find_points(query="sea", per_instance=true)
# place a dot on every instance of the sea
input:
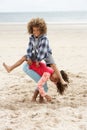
(49, 17)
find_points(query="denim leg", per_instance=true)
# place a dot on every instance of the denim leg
(33, 75)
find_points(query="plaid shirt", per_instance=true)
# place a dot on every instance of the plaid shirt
(39, 51)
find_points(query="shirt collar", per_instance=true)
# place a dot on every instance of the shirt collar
(41, 36)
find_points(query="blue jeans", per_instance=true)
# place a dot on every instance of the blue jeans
(33, 75)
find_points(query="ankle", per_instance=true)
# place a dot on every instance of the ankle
(33, 99)
(41, 99)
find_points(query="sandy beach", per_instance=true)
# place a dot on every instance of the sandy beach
(66, 112)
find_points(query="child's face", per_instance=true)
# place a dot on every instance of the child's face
(36, 31)
(54, 78)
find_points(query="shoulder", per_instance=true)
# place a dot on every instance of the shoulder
(31, 37)
(44, 37)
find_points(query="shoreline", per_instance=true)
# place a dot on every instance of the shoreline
(49, 23)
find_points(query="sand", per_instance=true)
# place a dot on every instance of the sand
(66, 112)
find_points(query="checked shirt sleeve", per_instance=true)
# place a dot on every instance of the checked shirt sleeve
(29, 50)
(43, 49)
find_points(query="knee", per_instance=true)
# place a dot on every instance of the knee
(53, 66)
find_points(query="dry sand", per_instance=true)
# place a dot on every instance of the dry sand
(67, 112)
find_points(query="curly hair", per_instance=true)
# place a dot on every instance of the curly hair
(61, 88)
(37, 22)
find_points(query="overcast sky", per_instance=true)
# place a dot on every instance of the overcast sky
(42, 5)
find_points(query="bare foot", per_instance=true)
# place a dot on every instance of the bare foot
(33, 100)
(8, 68)
(41, 99)
(48, 98)
(64, 83)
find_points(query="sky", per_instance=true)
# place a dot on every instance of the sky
(42, 5)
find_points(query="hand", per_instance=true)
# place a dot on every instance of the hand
(29, 62)
(48, 98)
(37, 64)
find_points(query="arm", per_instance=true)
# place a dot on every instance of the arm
(43, 49)
(41, 82)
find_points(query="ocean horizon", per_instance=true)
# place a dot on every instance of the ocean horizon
(49, 17)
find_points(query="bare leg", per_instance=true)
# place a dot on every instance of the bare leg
(41, 99)
(36, 93)
(59, 74)
(18, 63)
(35, 96)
